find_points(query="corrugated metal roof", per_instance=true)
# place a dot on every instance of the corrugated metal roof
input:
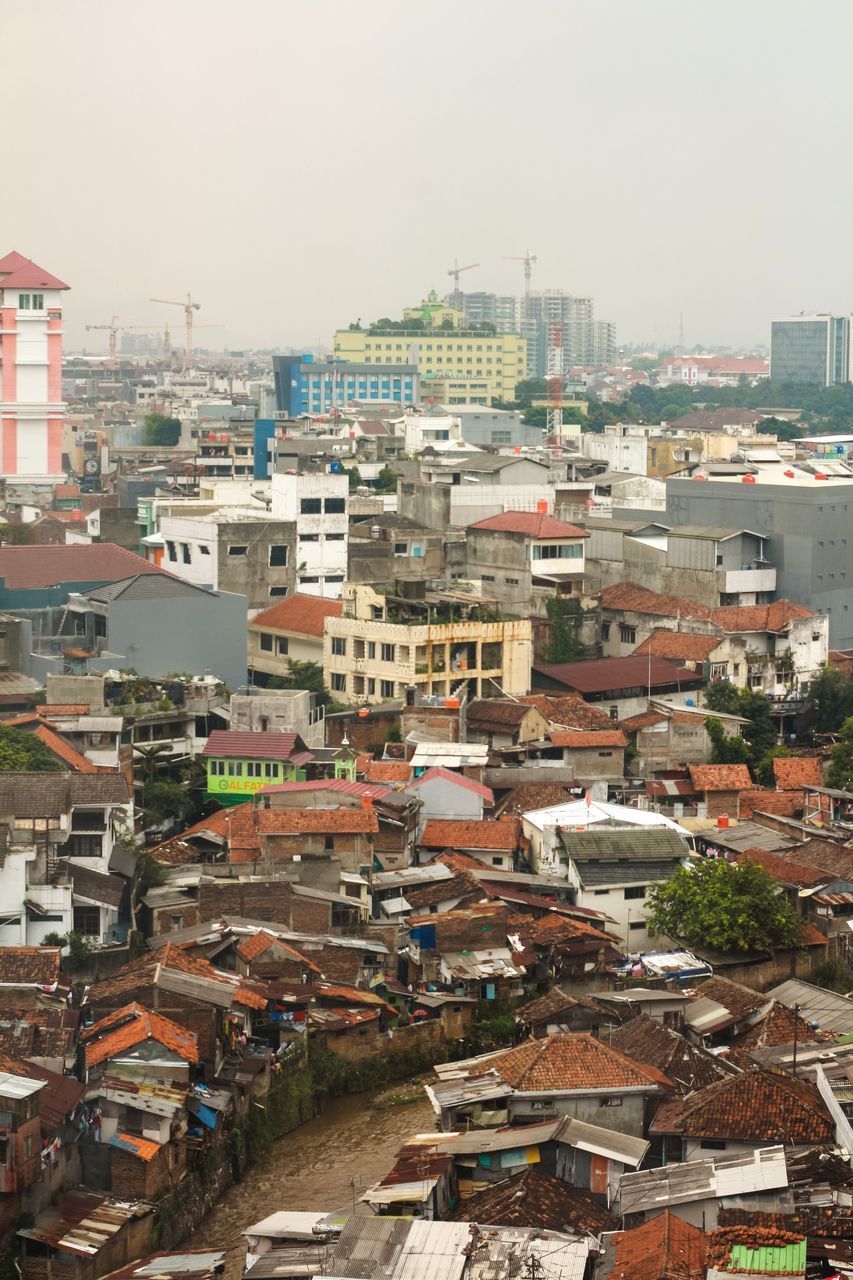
(785, 1260)
(737, 1174)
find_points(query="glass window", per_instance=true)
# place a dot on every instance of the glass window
(388, 653)
(278, 555)
(185, 552)
(281, 646)
(311, 506)
(24, 302)
(627, 635)
(338, 682)
(335, 506)
(238, 550)
(339, 646)
(386, 688)
(266, 642)
(38, 302)
(171, 551)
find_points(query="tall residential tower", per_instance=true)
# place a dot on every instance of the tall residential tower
(31, 407)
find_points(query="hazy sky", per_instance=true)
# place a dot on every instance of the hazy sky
(297, 165)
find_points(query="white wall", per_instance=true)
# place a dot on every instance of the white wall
(321, 546)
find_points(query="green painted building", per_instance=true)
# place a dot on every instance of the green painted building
(239, 764)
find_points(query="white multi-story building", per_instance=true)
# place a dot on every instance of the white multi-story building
(317, 502)
(31, 406)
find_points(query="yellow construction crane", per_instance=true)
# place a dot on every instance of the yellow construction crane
(456, 272)
(528, 259)
(189, 307)
(114, 328)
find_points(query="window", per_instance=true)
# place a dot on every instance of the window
(719, 670)
(238, 550)
(614, 713)
(605, 754)
(185, 552)
(636, 891)
(24, 300)
(38, 302)
(756, 680)
(87, 920)
(311, 506)
(610, 1102)
(266, 642)
(401, 548)
(605, 630)
(87, 846)
(270, 770)
(637, 924)
(496, 862)
(216, 768)
(309, 537)
(281, 646)
(335, 537)
(388, 652)
(386, 688)
(339, 646)
(335, 506)
(308, 580)
(371, 648)
(600, 893)
(371, 687)
(511, 582)
(253, 769)
(205, 550)
(235, 768)
(712, 1144)
(278, 556)
(627, 635)
(487, 577)
(339, 682)
(171, 551)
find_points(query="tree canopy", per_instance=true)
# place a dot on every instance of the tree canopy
(22, 752)
(759, 735)
(564, 615)
(829, 700)
(157, 429)
(729, 906)
(302, 675)
(840, 771)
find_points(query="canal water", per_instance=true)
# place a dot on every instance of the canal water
(324, 1164)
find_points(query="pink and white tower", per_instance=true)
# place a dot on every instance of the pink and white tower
(31, 406)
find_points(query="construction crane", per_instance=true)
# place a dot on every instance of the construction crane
(167, 340)
(528, 259)
(189, 307)
(456, 272)
(114, 328)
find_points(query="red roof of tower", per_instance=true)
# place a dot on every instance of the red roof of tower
(19, 272)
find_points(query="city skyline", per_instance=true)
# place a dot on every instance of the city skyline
(649, 160)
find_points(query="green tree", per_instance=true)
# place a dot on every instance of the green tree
(302, 675)
(563, 645)
(22, 752)
(729, 906)
(386, 481)
(829, 700)
(723, 696)
(781, 428)
(725, 750)
(840, 771)
(164, 801)
(157, 429)
(354, 477)
(760, 733)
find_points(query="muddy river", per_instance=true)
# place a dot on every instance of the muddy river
(325, 1164)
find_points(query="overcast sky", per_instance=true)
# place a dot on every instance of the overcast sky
(298, 165)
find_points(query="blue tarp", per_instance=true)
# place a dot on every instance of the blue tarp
(205, 1114)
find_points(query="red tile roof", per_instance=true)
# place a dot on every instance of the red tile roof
(18, 272)
(755, 1236)
(534, 1199)
(31, 568)
(774, 617)
(665, 1248)
(132, 1025)
(680, 645)
(778, 1026)
(388, 771)
(563, 1061)
(609, 675)
(534, 524)
(63, 750)
(785, 870)
(257, 943)
(447, 775)
(63, 709)
(629, 597)
(577, 738)
(255, 746)
(446, 833)
(785, 804)
(38, 966)
(720, 777)
(569, 711)
(756, 1106)
(301, 615)
(373, 790)
(793, 772)
(286, 822)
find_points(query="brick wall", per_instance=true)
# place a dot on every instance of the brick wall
(162, 918)
(722, 802)
(337, 963)
(135, 1179)
(310, 915)
(471, 932)
(254, 899)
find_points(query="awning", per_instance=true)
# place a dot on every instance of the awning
(205, 1114)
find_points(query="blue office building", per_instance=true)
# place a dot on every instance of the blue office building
(305, 385)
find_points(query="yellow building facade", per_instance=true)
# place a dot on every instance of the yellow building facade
(482, 367)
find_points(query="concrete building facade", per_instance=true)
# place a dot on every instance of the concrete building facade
(316, 503)
(306, 385)
(229, 550)
(811, 349)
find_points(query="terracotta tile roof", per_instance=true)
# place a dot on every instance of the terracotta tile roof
(811, 936)
(533, 1199)
(534, 795)
(63, 750)
(299, 614)
(257, 943)
(756, 1106)
(792, 772)
(32, 568)
(255, 746)
(30, 965)
(778, 1026)
(144, 971)
(554, 928)
(720, 777)
(447, 775)
(825, 855)
(445, 833)
(643, 720)
(680, 645)
(686, 1065)
(298, 821)
(579, 738)
(784, 804)
(753, 1237)
(740, 1001)
(496, 712)
(133, 1025)
(570, 711)
(388, 771)
(629, 597)
(251, 998)
(535, 524)
(142, 1148)
(567, 1062)
(63, 709)
(774, 617)
(665, 1248)
(785, 870)
(462, 885)
(553, 1004)
(609, 675)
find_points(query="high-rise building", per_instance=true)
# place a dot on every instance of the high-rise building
(31, 406)
(500, 310)
(585, 341)
(810, 348)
